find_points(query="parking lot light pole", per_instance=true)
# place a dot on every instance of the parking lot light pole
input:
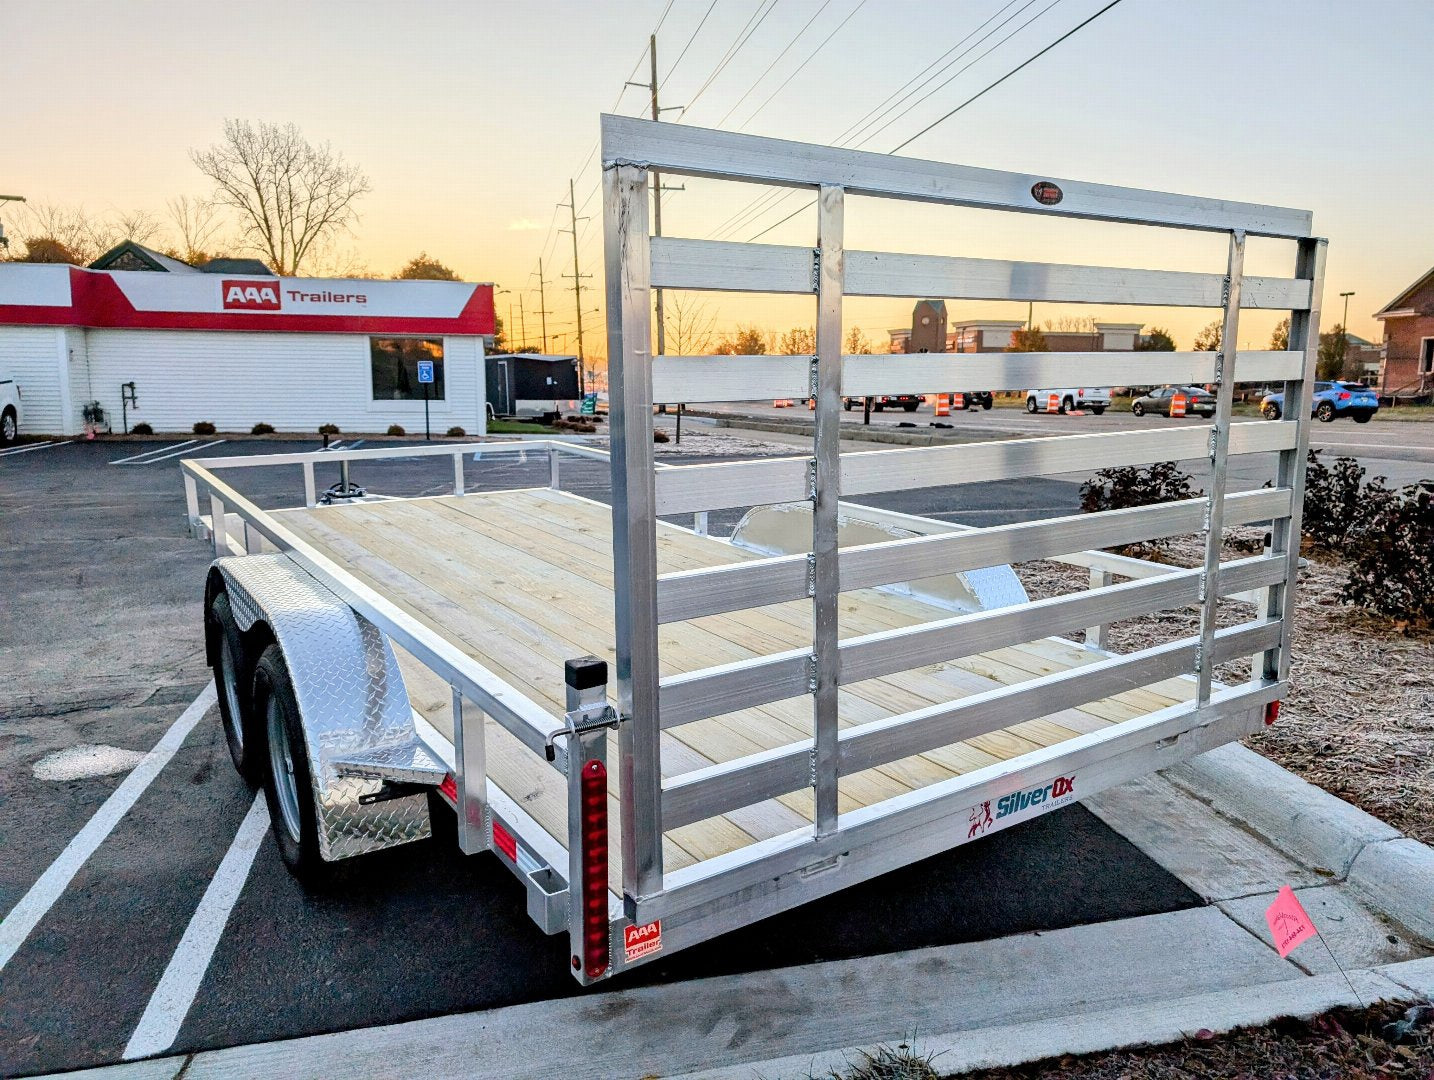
(1344, 332)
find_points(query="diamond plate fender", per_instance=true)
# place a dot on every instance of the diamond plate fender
(350, 693)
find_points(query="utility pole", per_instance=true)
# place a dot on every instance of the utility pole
(1344, 333)
(523, 322)
(4, 241)
(657, 189)
(543, 304)
(576, 275)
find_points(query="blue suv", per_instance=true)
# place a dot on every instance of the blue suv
(1331, 399)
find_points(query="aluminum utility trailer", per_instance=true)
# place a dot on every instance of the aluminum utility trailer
(791, 718)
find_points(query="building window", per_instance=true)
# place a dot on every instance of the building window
(394, 365)
(1426, 357)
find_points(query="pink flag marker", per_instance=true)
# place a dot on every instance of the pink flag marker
(1290, 924)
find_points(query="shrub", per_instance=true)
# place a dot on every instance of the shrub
(396, 429)
(1392, 555)
(1121, 489)
(204, 427)
(456, 432)
(141, 429)
(262, 428)
(1336, 502)
(328, 429)
(660, 436)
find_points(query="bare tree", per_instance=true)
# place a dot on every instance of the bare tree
(1208, 338)
(691, 327)
(798, 341)
(54, 227)
(857, 343)
(289, 194)
(197, 223)
(138, 225)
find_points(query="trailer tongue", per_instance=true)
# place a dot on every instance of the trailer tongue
(838, 690)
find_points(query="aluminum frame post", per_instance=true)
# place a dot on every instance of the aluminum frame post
(634, 527)
(826, 491)
(470, 761)
(1219, 457)
(1097, 637)
(1285, 536)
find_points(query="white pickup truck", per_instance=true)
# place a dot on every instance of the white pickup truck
(11, 410)
(1069, 398)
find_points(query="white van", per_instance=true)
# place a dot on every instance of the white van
(11, 411)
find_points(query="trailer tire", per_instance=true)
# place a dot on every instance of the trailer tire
(9, 427)
(287, 786)
(233, 679)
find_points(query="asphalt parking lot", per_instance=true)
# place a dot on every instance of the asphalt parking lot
(101, 646)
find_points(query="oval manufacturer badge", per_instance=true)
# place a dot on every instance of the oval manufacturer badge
(1046, 193)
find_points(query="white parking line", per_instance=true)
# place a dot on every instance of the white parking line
(182, 453)
(170, 1003)
(42, 895)
(153, 450)
(35, 446)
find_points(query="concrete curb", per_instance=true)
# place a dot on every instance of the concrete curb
(1113, 1029)
(1392, 872)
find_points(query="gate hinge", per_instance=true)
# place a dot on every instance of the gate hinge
(816, 268)
(581, 721)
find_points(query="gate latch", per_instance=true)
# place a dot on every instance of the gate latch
(591, 717)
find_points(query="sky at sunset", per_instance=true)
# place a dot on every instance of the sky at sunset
(470, 118)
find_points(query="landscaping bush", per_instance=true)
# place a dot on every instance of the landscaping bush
(141, 429)
(1337, 501)
(262, 428)
(1121, 489)
(204, 427)
(1392, 555)
(328, 429)
(456, 432)
(396, 429)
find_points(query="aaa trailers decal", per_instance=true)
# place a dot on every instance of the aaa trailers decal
(642, 941)
(996, 814)
(250, 295)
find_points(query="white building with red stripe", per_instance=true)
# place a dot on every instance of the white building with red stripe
(237, 350)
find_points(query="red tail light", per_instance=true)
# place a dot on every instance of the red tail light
(1272, 713)
(449, 787)
(593, 785)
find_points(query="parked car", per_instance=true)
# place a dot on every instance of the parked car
(1331, 399)
(909, 402)
(11, 411)
(1094, 398)
(1198, 401)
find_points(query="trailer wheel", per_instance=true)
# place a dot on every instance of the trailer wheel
(287, 787)
(233, 678)
(9, 428)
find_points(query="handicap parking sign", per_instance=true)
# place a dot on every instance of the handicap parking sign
(425, 371)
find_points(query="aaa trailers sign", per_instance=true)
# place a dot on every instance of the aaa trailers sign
(641, 941)
(250, 295)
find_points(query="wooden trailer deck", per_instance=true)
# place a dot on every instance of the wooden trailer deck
(522, 581)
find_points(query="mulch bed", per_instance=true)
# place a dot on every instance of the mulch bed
(1346, 1044)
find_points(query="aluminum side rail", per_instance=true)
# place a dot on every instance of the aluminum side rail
(528, 721)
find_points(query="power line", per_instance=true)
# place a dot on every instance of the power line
(795, 38)
(690, 40)
(744, 35)
(991, 86)
(802, 65)
(1006, 76)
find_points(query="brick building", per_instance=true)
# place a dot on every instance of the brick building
(1409, 341)
(994, 335)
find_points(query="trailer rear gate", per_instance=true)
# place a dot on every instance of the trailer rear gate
(788, 725)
